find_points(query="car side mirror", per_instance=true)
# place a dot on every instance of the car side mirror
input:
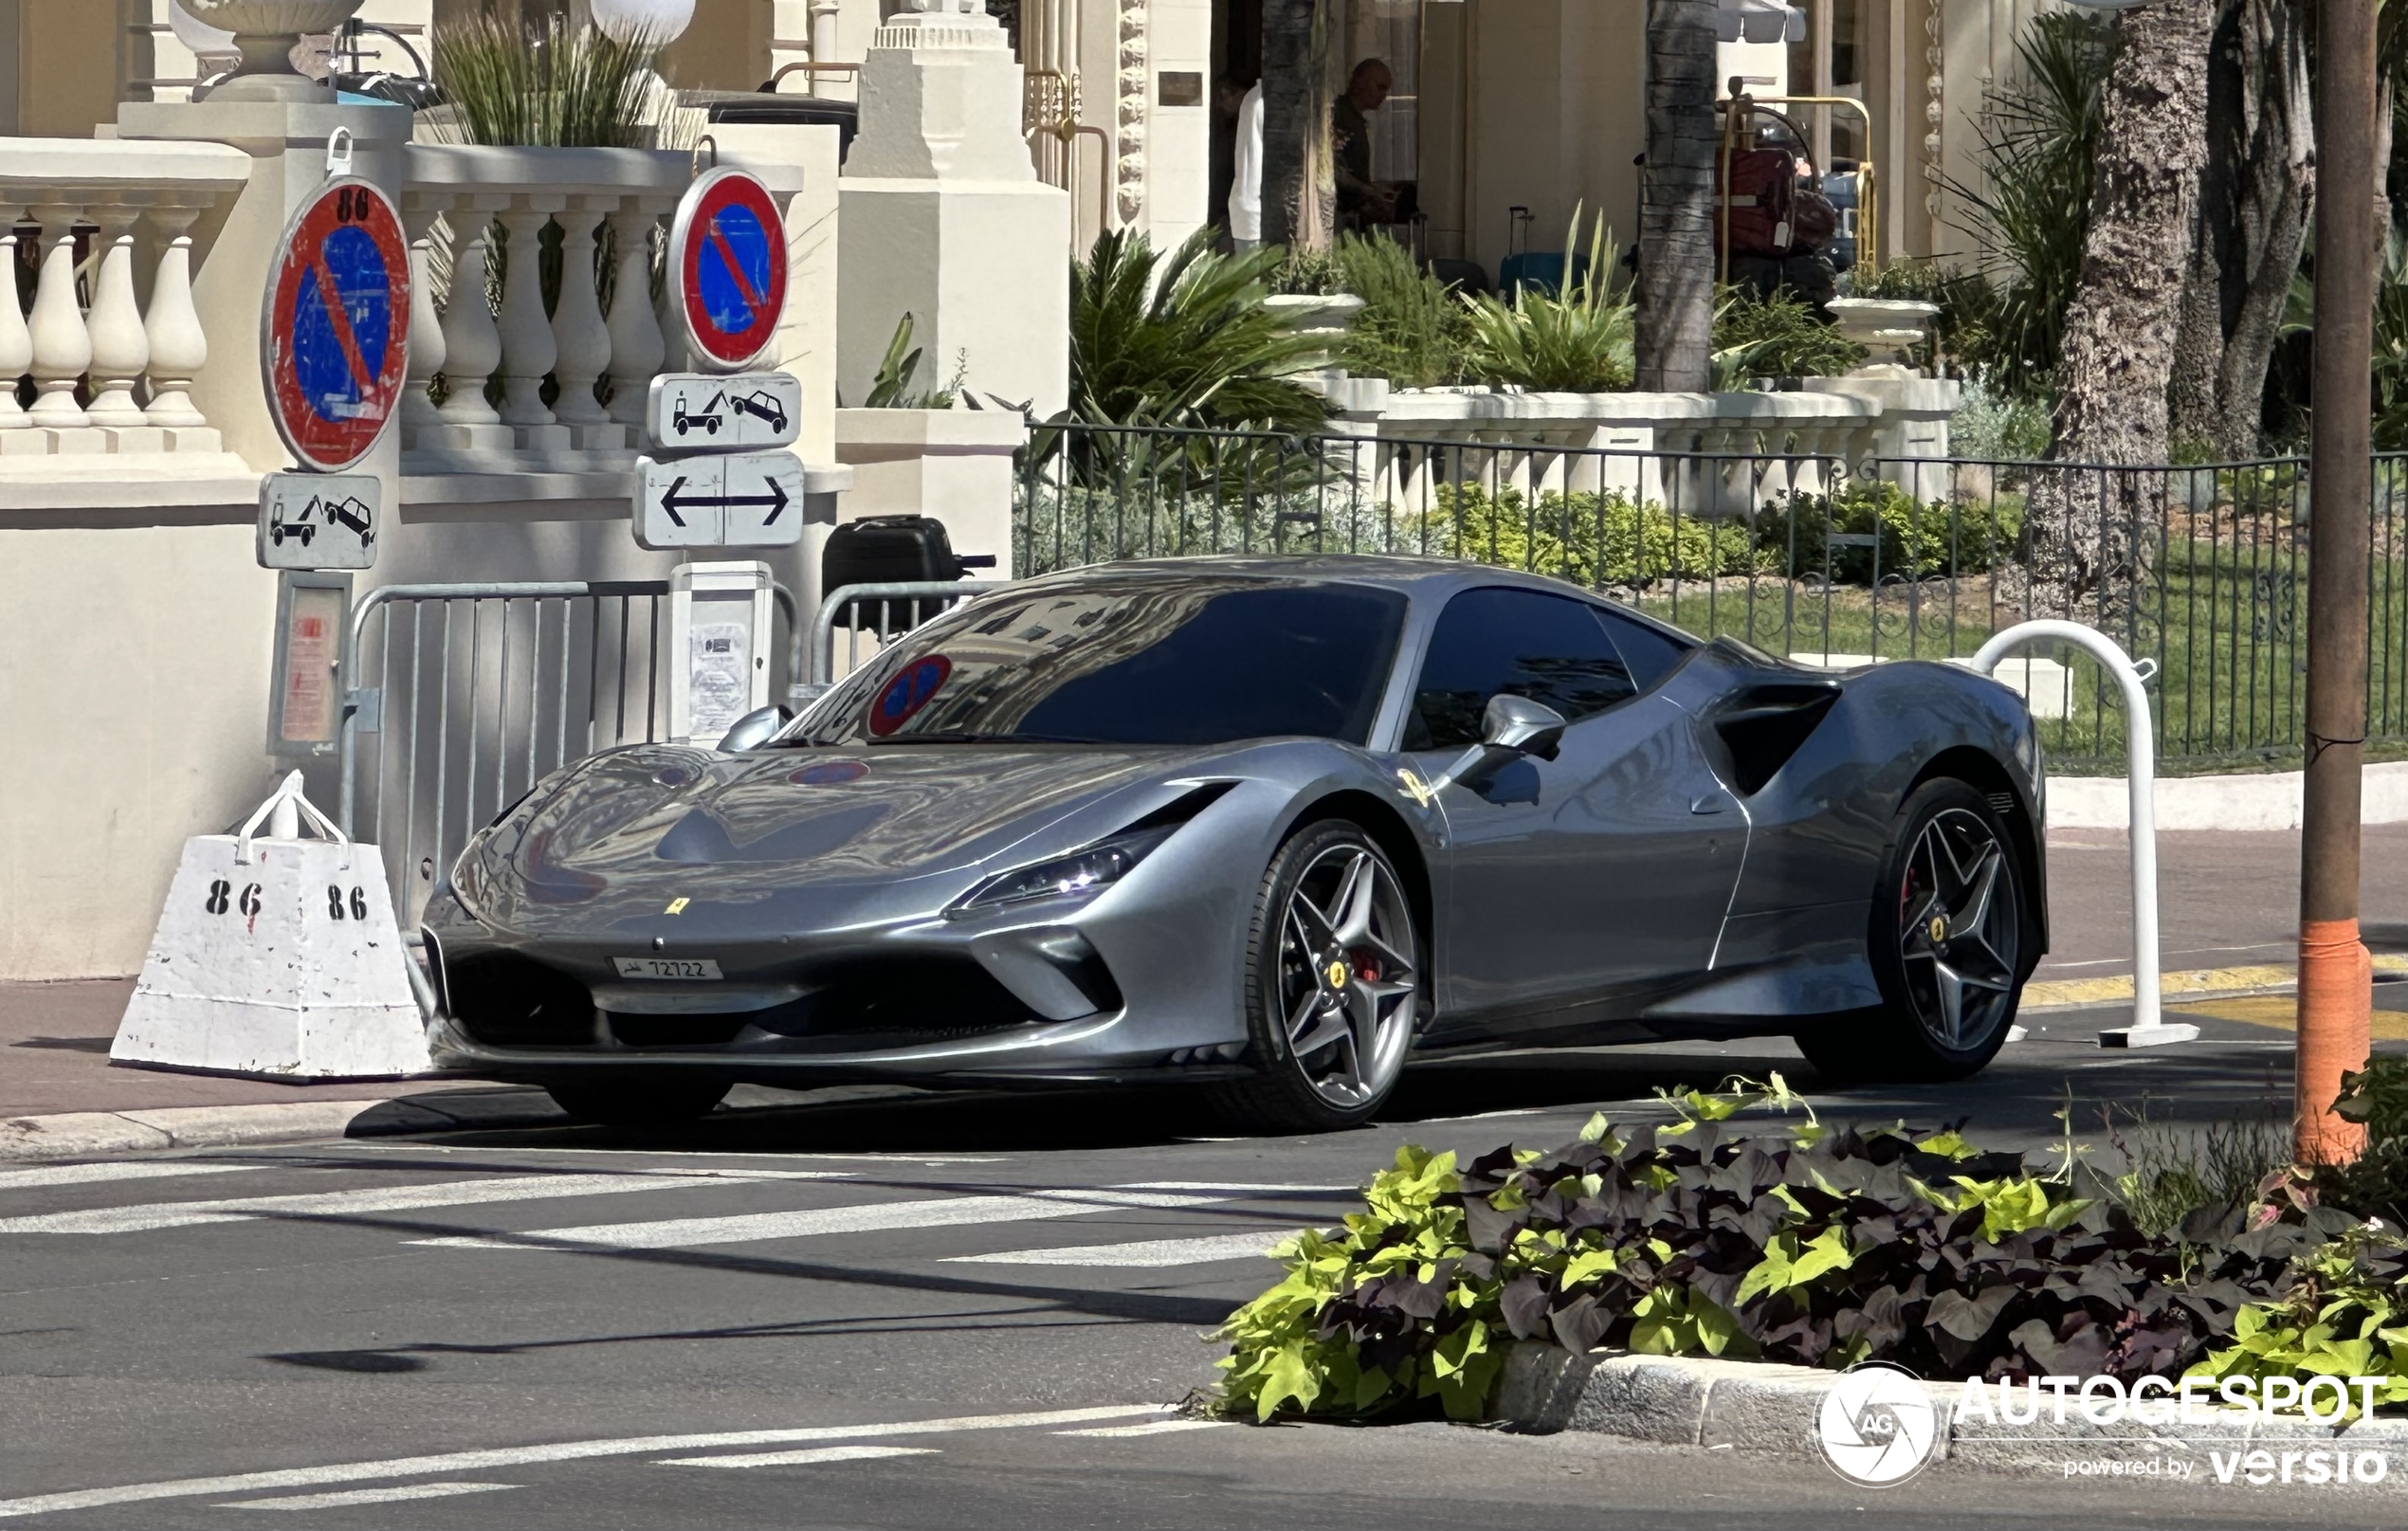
(754, 729)
(1521, 725)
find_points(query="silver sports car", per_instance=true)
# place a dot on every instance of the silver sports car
(1269, 826)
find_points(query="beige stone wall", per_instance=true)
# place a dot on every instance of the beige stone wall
(135, 703)
(69, 59)
(725, 48)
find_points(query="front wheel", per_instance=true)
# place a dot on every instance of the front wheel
(655, 1102)
(1333, 984)
(1947, 935)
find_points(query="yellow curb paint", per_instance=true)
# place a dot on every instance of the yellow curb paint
(2281, 1012)
(2194, 983)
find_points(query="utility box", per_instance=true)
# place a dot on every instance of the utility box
(721, 629)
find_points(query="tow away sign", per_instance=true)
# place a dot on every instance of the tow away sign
(694, 411)
(318, 520)
(750, 499)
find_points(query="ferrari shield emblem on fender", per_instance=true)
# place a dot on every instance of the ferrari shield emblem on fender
(1416, 788)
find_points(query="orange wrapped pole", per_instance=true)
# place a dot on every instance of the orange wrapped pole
(2335, 994)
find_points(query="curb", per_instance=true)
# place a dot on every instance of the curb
(78, 1133)
(2194, 983)
(2246, 800)
(1763, 1407)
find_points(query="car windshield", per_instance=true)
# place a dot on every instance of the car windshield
(1128, 659)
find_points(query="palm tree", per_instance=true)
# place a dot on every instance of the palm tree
(1300, 194)
(2120, 331)
(1676, 200)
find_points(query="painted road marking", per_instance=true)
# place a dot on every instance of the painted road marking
(1152, 1427)
(1236, 1185)
(512, 1456)
(360, 1496)
(349, 1203)
(870, 1218)
(714, 1157)
(67, 1175)
(1149, 1254)
(798, 1459)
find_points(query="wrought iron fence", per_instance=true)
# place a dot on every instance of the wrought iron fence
(1820, 555)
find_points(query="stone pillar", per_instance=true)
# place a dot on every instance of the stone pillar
(942, 218)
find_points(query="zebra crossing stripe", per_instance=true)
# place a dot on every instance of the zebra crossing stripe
(512, 1456)
(352, 1203)
(67, 1175)
(1149, 1254)
(872, 1217)
(805, 1457)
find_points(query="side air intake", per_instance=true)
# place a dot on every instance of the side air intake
(1761, 727)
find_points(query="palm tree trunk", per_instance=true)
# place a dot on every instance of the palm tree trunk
(1300, 194)
(2253, 208)
(2121, 328)
(1676, 200)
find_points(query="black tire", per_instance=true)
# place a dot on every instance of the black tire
(1327, 1053)
(1948, 937)
(652, 1103)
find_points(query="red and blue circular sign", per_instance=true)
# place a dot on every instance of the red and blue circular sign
(336, 349)
(908, 693)
(727, 248)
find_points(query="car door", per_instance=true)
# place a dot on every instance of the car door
(1605, 870)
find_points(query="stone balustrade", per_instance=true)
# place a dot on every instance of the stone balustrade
(522, 388)
(111, 342)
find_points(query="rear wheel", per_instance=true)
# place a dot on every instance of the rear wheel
(656, 1103)
(1332, 987)
(1947, 946)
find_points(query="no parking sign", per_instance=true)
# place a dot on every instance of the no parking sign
(336, 326)
(727, 255)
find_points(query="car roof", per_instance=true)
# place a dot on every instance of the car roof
(1424, 579)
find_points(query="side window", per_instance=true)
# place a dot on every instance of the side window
(1650, 654)
(1550, 649)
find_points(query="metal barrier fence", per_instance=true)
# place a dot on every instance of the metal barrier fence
(464, 696)
(1817, 555)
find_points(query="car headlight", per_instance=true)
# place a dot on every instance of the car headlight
(1082, 871)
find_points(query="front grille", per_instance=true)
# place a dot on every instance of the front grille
(918, 1000)
(505, 1000)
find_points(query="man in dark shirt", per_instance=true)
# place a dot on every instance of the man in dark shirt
(1362, 201)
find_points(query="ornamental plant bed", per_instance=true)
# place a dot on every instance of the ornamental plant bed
(1804, 1244)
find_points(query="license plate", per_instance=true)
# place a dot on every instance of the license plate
(686, 967)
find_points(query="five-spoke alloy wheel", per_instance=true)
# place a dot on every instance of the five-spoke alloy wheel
(1948, 945)
(1333, 983)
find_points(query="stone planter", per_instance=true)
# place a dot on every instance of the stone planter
(1880, 323)
(266, 31)
(1322, 315)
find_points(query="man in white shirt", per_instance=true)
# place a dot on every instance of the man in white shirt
(1246, 186)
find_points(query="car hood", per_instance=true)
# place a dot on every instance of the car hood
(624, 832)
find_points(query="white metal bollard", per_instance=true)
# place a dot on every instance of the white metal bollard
(2149, 1027)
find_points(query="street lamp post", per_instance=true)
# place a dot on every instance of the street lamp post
(2336, 994)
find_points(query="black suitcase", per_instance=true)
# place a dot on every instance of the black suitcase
(884, 550)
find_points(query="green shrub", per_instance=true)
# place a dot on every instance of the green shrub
(1189, 344)
(1919, 540)
(1300, 271)
(1994, 426)
(1413, 330)
(553, 86)
(1796, 1244)
(1777, 336)
(1590, 538)
(1579, 342)
(2346, 1317)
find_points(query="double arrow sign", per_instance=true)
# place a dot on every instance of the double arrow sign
(750, 499)
(721, 497)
